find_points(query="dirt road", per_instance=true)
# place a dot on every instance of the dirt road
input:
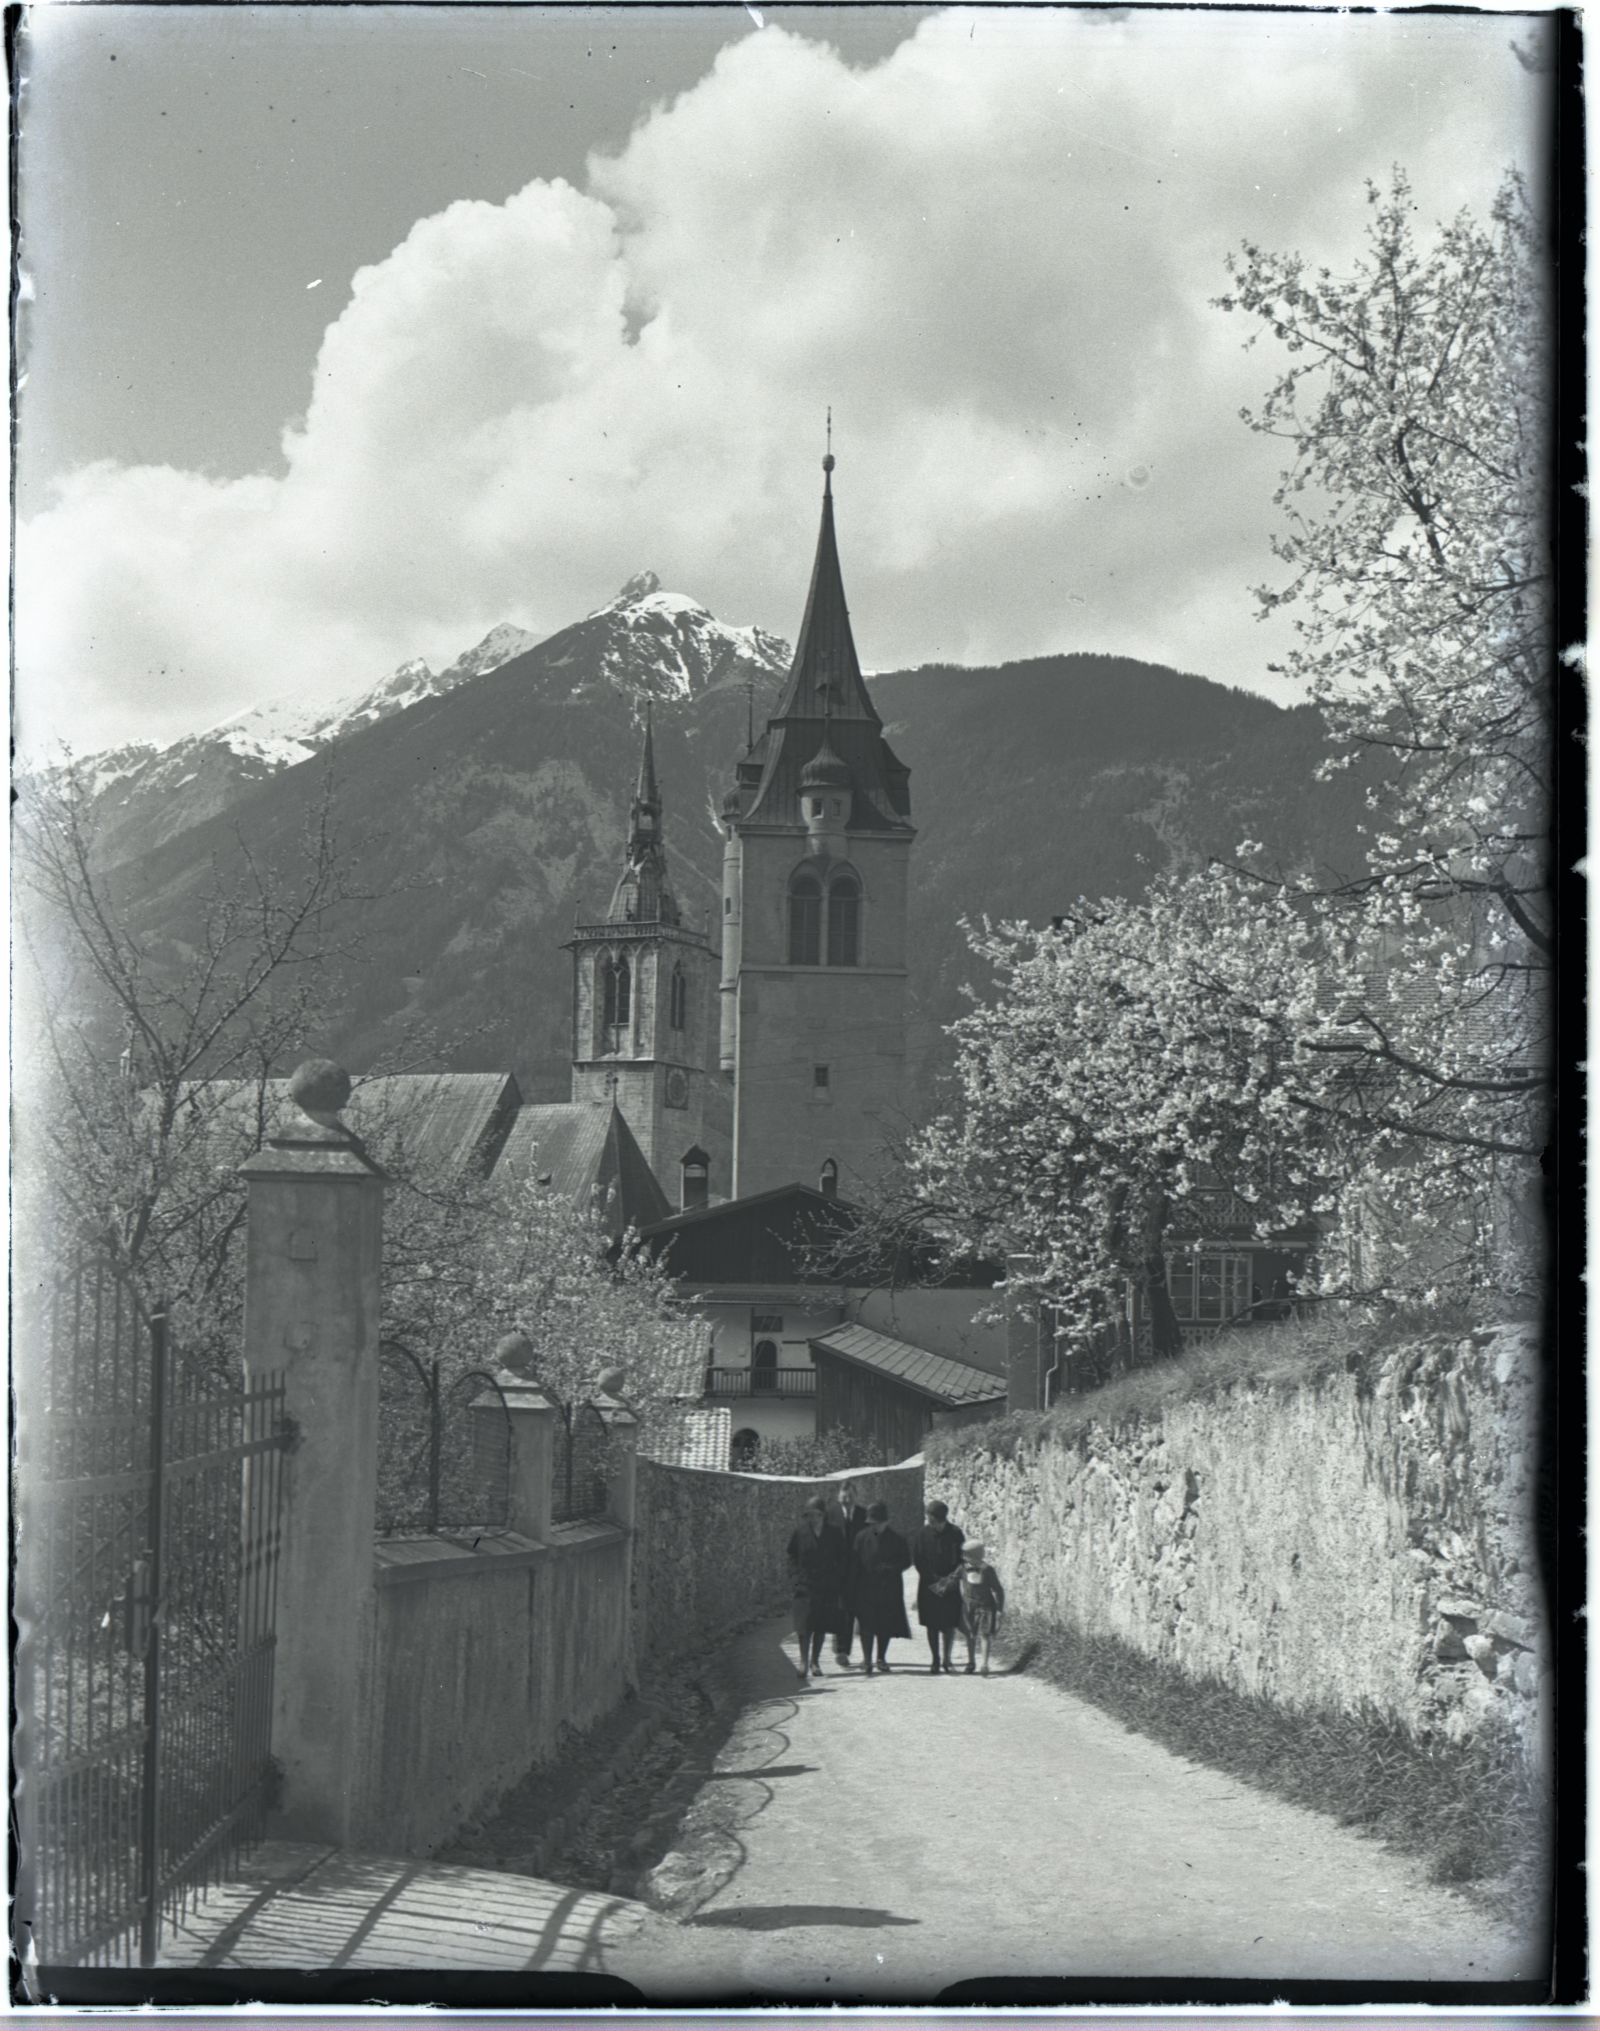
(886, 1837)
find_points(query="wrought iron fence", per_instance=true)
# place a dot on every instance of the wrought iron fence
(582, 1461)
(444, 1447)
(149, 1508)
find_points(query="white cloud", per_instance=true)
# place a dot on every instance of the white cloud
(993, 253)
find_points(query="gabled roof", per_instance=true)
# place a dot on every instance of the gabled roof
(774, 1198)
(948, 1383)
(587, 1152)
(785, 1236)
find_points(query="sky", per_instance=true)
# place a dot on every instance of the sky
(351, 332)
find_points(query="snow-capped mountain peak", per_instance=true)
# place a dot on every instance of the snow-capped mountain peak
(665, 645)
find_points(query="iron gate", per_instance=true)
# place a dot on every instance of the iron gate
(148, 1523)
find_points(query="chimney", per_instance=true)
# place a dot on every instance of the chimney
(694, 1168)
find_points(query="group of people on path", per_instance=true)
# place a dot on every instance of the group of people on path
(845, 1568)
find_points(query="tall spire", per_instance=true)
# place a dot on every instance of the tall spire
(825, 681)
(646, 796)
(644, 893)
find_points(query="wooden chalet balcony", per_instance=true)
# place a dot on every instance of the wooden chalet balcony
(729, 1382)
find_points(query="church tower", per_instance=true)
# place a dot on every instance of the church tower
(818, 839)
(643, 1007)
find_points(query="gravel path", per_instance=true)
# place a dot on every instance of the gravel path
(882, 1838)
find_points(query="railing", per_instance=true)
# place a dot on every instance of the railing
(152, 1510)
(444, 1447)
(761, 1382)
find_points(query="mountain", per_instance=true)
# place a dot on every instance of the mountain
(485, 816)
(645, 642)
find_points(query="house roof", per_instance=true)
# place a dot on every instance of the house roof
(587, 1153)
(947, 1382)
(692, 1438)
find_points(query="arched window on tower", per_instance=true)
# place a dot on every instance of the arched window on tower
(617, 992)
(678, 998)
(805, 919)
(844, 920)
(828, 1182)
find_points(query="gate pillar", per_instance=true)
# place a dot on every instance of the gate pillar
(314, 1244)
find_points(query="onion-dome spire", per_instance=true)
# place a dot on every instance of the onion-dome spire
(825, 771)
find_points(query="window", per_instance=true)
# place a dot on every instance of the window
(766, 1322)
(805, 919)
(1208, 1287)
(819, 1079)
(679, 997)
(828, 1183)
(764, 1369)
(844, 919)
(617, 985)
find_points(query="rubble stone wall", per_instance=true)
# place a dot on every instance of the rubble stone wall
(1360, 1536)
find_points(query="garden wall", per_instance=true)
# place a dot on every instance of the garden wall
(482, 1660)
(709, 1552)
(1359, 1532)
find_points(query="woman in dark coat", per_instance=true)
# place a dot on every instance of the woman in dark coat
(880, 1556)
(936, 1552)
(816, 1556)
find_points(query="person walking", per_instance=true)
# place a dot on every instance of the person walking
(936, 1554)
(879, 1558)
(983, 1599)
(816, 1577)
(849, 1517)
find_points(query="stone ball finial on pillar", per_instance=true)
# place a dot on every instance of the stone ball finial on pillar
(320, 1088)
(515, 1351)
(610, 1381)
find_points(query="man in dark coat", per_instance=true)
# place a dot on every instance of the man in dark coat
(816, 1557)
(880, 1557)
(936, 1553)
(849, 1517)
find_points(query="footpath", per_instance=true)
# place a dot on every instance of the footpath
(881, 1839)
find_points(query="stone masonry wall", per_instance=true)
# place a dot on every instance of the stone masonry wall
(1360, 1536)
(709, 1552)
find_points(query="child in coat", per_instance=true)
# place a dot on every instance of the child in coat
(983, 1601)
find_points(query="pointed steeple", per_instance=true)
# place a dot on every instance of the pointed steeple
(644, 894)
(644, 820)
(825, 681)
(825, 715)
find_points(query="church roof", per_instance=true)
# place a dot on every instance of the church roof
(587, 1152)
(825, 707)
(437, 1123)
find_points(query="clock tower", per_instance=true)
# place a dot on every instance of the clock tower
(644, 1007)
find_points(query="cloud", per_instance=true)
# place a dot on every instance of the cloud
(993, 253)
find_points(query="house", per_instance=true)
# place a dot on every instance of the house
(791, 1303)
(892, 1393)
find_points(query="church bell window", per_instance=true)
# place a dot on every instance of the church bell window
(805, 920)
(617, 992)
(844, 920)
(679, 998)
